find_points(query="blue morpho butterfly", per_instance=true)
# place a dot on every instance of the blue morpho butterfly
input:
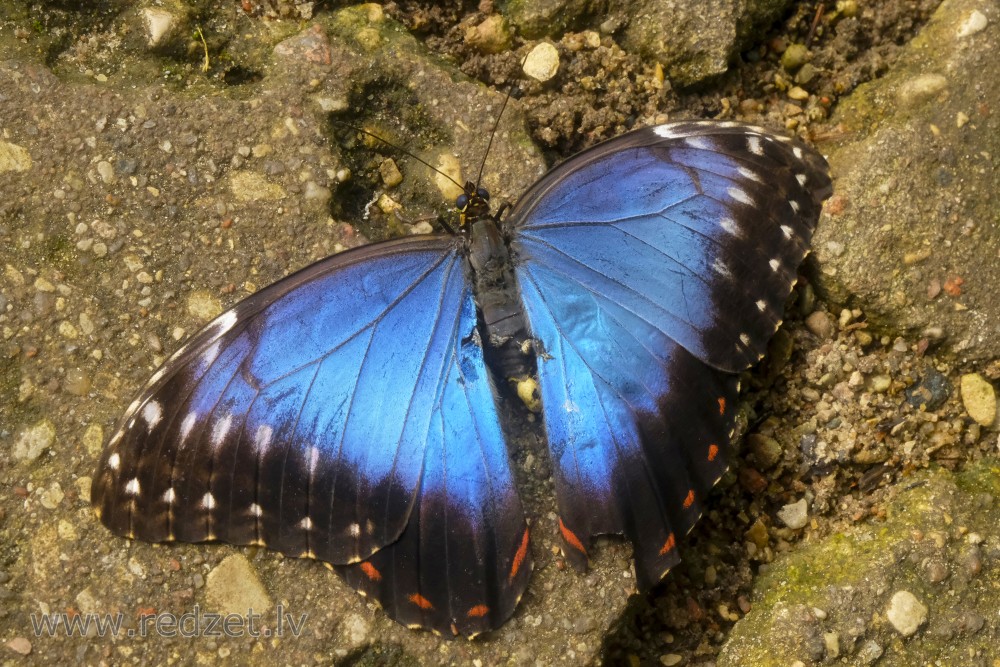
(347, 412)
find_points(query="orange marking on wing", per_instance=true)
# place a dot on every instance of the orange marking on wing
(689, 499)
(713, 451)
(669, 544)
(522, 553)
(722, 405)
(571, 538)
(371, 571)
(478, 611)
(421, 601)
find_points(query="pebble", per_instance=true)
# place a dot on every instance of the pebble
(52, 496)
(204, 305)
(234, 588)
(794, 57)
(766, 451)
(930, 392)
(13, 158)
(66, 530)
(77, 382)
(93, 439)
(159, 24)
(979, 399)
(879, 384)
(798, 93)
(976, 22)
(671, 659)
(906, 613)
(19, 645)
(820, 325)
(795, 515)
(920, 89)
(542, 62)
(390, 173)
(869, 652)
(106, 171)
(34, 441)
(490, 36)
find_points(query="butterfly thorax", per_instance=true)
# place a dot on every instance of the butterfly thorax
(506, 329)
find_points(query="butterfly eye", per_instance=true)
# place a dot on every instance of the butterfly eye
(462, 202)
(483, 194)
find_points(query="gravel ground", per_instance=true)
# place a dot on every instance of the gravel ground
(841, 419)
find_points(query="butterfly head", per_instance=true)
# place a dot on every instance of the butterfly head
(474, 203)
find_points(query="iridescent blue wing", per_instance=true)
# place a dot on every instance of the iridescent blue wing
(332, 415)
(652, 267)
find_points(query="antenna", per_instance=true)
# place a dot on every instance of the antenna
(493, 132)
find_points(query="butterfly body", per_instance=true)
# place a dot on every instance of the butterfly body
(348, 413)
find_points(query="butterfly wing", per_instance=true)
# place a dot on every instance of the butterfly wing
(335, 415)
(651, 268)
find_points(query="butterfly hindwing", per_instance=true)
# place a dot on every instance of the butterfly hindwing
(652, 267)
(327, 416)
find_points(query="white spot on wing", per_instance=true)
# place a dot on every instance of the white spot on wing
(750, 174)
(263, 438)
(169, 496)
(208, 500)
(313, 458)
(114, 461)
(729, 225)
(256, 510)
(211, 353)
(221, 430)
(666, 131)
(354, 530)
(132, 488)
(740, 196)
(801, 178)
(152, 412)
(745, 339)
(761, 305)
(774, 264)
(719, 267)
(225, 322)
(794, 204)
(306, 524)
(700, 143)
(787, 231)
(797, 152)
(753, 144)
(187, 425)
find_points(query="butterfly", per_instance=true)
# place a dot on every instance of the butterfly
(350, 412)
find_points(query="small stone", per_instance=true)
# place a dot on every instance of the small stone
(795, 515)
(34, 441)
(19, 645)
(106, 171)
(43, 285)
(766, 451)
(921, 88)
(13, 158)
(906, 613)
(671, 659)
(879, 384)
(52, 496)
(975, 23)
(67, 330)
(234, 588)
(159, 24)
(490, 36)
(252, 186)
(798, 93)
(930, 392)
(794, 57)
(77, 382)
(869, 652)
(820, 324)
(66, 530)
(93, 439)
(542, 62)
(390, 173)
(316, 192)
(204, 305)
(979, 399)
(831, 640)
